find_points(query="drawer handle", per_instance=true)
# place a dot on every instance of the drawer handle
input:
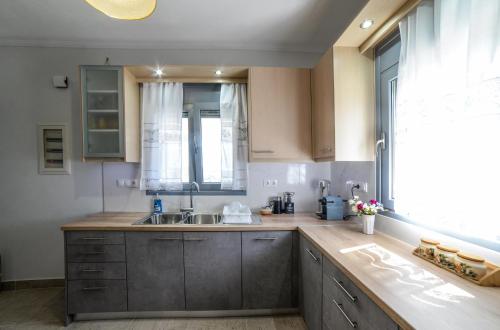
(265, 238)
(168, 239)
(95, 288)
(340, 284)
(93, 238)
(263, 151)
(91, 270)
(316, 259)
(353, 324)
(93, 253)
(195, 239)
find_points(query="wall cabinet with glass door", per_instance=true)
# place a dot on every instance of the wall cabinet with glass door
(343, 106)
(110, 113)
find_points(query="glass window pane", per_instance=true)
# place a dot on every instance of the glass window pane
(185, 150)
(211, 146)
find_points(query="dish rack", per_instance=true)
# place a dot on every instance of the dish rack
(492, 277)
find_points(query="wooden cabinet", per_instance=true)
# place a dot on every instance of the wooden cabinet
(155, 271)
(267, 269)
(212, 270)
(311, 263)
(279, 114)
(345, 306)
(110, 113)
(343, 106)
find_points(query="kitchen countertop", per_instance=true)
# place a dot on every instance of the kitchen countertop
(117, 221)
(415, 293)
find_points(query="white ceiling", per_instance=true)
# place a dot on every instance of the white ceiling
(289, 25)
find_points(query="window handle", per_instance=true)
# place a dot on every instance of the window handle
(381, 143)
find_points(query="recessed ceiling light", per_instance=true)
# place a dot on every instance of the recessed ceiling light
(366, 24)
(218, 72)
(124, 9)
(158, 72)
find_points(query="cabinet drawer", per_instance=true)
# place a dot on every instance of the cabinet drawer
(95, 296)
(97, 271)
(94, 237)
(95, 253)
(338, 288)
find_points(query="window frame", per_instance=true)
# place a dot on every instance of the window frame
(383, 173)
(196, 155)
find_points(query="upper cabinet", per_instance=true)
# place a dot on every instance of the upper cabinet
(279, 114)
(343, 107)
(110, 113)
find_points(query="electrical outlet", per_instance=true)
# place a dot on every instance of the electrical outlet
(363, 186)
(120, 182)
(274, 183)
(270, 183)
(131, 183)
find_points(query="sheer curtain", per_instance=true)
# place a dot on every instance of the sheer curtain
(447, 125)
(234, 136)
(161, 166)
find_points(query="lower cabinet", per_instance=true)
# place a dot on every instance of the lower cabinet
(212, 262)
(345, 306)
(267, 269)
(155, 271)
(311, 265)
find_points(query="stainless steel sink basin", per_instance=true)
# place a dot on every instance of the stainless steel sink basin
(187, 219)
(203, 219)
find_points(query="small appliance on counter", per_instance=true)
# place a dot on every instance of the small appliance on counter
(289, 206)
(324, 190)
(275, 203)
(332, 208)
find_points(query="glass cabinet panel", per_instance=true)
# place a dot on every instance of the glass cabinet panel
(102, 99)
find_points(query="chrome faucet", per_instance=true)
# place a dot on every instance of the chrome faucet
(191, 208)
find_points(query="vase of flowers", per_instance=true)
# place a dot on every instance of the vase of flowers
(367, 212)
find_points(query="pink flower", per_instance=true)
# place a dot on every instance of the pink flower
(360, 206)
(373, 201)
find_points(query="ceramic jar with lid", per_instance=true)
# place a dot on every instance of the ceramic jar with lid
(470, 265)
(427, 247)
(445, 256)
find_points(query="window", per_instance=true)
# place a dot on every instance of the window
(428, 169)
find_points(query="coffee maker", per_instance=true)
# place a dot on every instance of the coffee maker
(324, 190)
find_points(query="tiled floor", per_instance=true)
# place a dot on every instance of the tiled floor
(43, 309)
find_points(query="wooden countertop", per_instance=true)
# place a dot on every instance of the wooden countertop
(415, 293)
(116, 221)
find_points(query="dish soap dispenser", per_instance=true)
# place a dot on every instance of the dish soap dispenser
(157, 207)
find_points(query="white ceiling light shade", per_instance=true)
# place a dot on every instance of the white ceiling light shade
(124, 9)
(366, 24)
(158, 72)
(218, 72)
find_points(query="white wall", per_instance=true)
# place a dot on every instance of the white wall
(33, 206)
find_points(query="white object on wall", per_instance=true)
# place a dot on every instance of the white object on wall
(53, 149)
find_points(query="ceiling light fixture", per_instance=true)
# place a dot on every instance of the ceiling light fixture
(218, 72)
(124, 9)
(366, 24)
(158, 72)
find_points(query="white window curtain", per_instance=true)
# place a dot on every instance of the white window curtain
(234, 136)
(161, 167)
(447, 125)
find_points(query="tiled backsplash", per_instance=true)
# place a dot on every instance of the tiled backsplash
(354, 171)
(299, 178)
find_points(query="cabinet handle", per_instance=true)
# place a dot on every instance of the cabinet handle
(95, 288)
(316, 259)
(265, 238)
(195, 239)
(93, 238)
(93, 253)
(263, 151)
(326, 149)
(353, 324)
(341, 286)
(91, 270)
(168, 239)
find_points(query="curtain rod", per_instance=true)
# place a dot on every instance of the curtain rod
(196, 80)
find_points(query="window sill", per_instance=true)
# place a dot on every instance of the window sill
(196, 193)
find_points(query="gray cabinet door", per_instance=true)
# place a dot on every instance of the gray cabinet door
(267, 269)
(213, 270)
(155, 271)
(311, 272)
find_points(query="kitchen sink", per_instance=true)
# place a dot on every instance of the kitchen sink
(187, 219)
